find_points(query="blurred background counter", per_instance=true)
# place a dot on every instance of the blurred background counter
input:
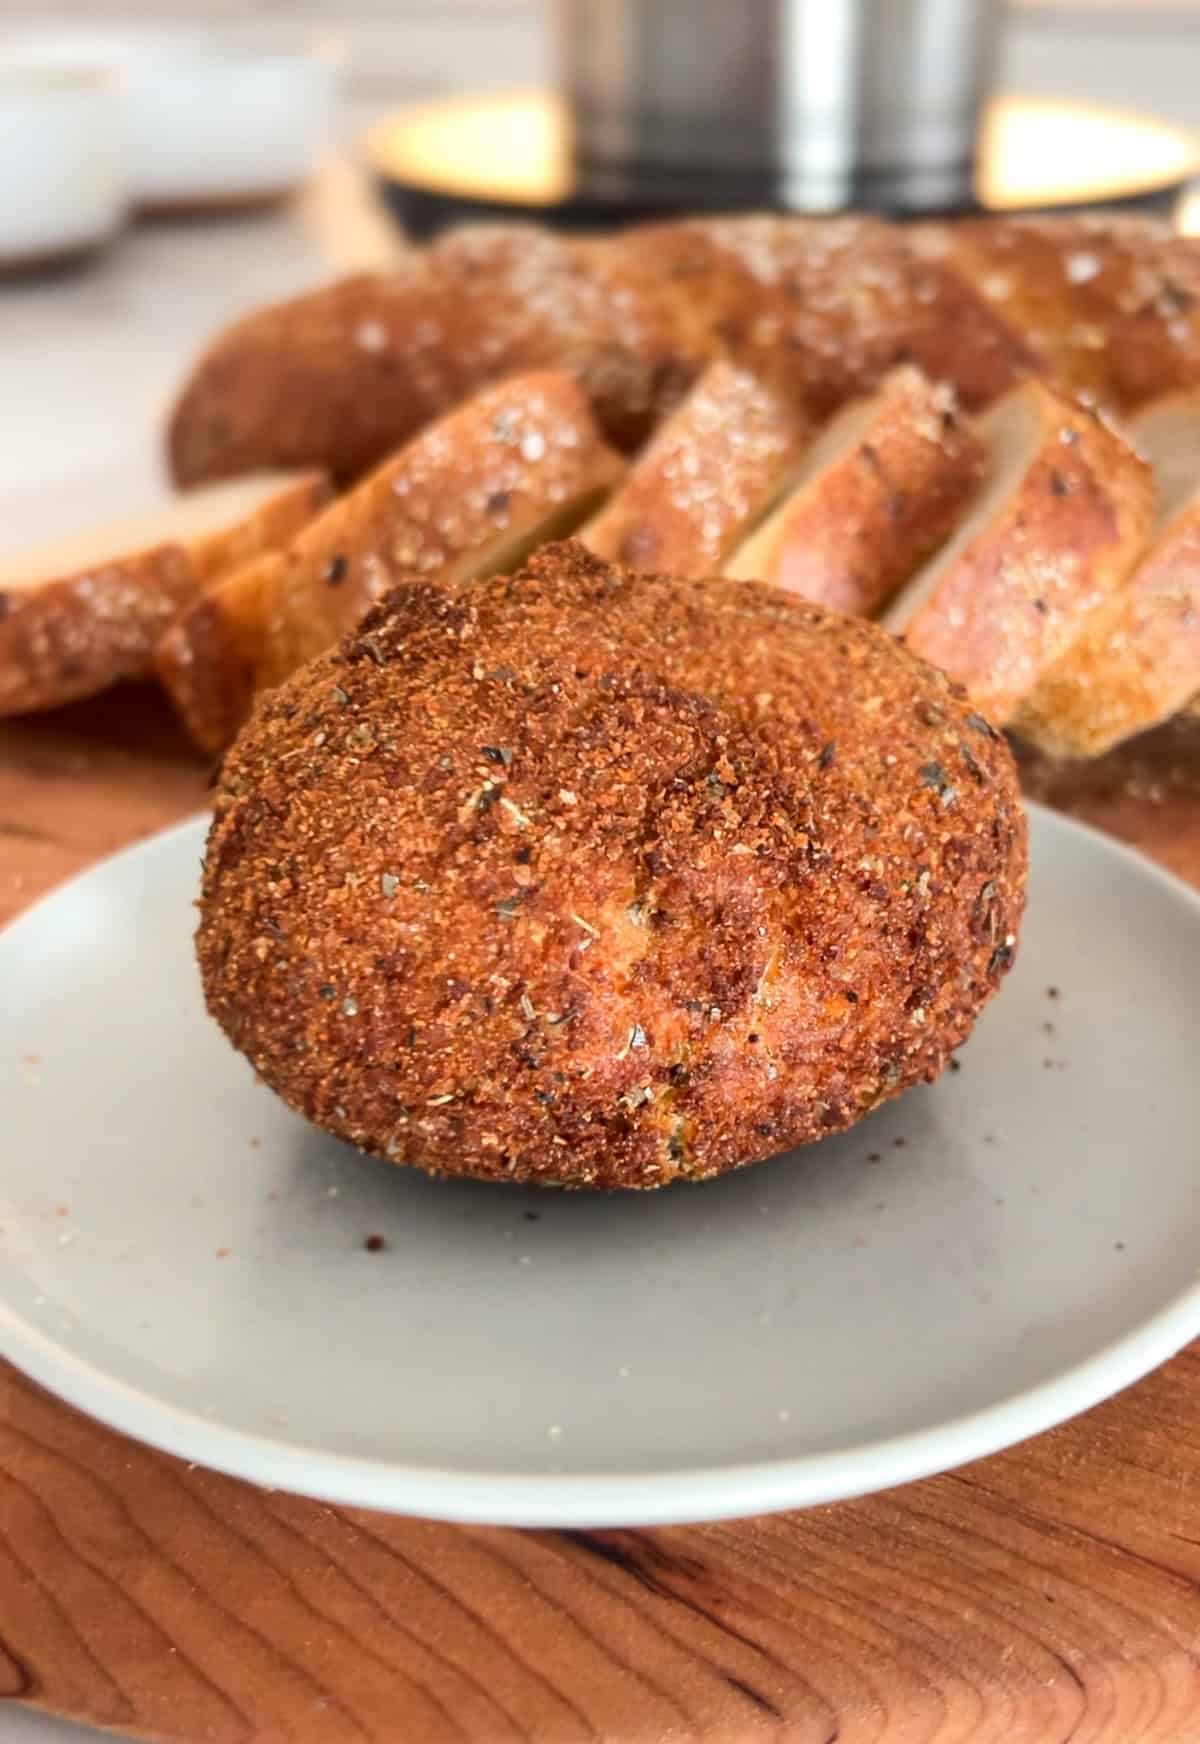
(90, 357)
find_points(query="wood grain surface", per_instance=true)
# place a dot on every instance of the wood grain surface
(1048, 1594)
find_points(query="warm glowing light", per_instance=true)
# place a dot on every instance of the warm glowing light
(1041, 153)
(515, 149)
(1187, 214)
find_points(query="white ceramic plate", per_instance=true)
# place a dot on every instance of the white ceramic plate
(186, 1260)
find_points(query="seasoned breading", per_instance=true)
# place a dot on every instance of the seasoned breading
(586, 878)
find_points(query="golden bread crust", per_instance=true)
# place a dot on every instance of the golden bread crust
(489, 478)
(891, 479)
(824, 307)
(1111, 303)
(597, 879)
(712, 467)
(1049, 551)
(1136, 661)
(69, 636)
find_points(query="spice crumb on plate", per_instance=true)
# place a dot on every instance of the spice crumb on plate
(374, 1244)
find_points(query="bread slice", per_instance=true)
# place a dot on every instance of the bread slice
(1166, 433)
(599, 307)
(337, 377)
(838, 302)
(520, 463)
(876, 493)
(1111, 303)
(348, 373)
(712, 469)
(1137, 660)
(80, 613)
(1063, 515)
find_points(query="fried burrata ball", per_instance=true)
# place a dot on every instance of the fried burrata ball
(596, 879)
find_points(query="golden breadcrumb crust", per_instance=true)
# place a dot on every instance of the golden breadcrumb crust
(590, 878)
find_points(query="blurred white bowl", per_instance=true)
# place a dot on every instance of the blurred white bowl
(62, 180)
(207, 122)
(225, 129)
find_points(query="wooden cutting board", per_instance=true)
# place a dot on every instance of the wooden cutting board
(1049, 1593)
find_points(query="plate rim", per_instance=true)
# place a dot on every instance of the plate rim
(557, 1499)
